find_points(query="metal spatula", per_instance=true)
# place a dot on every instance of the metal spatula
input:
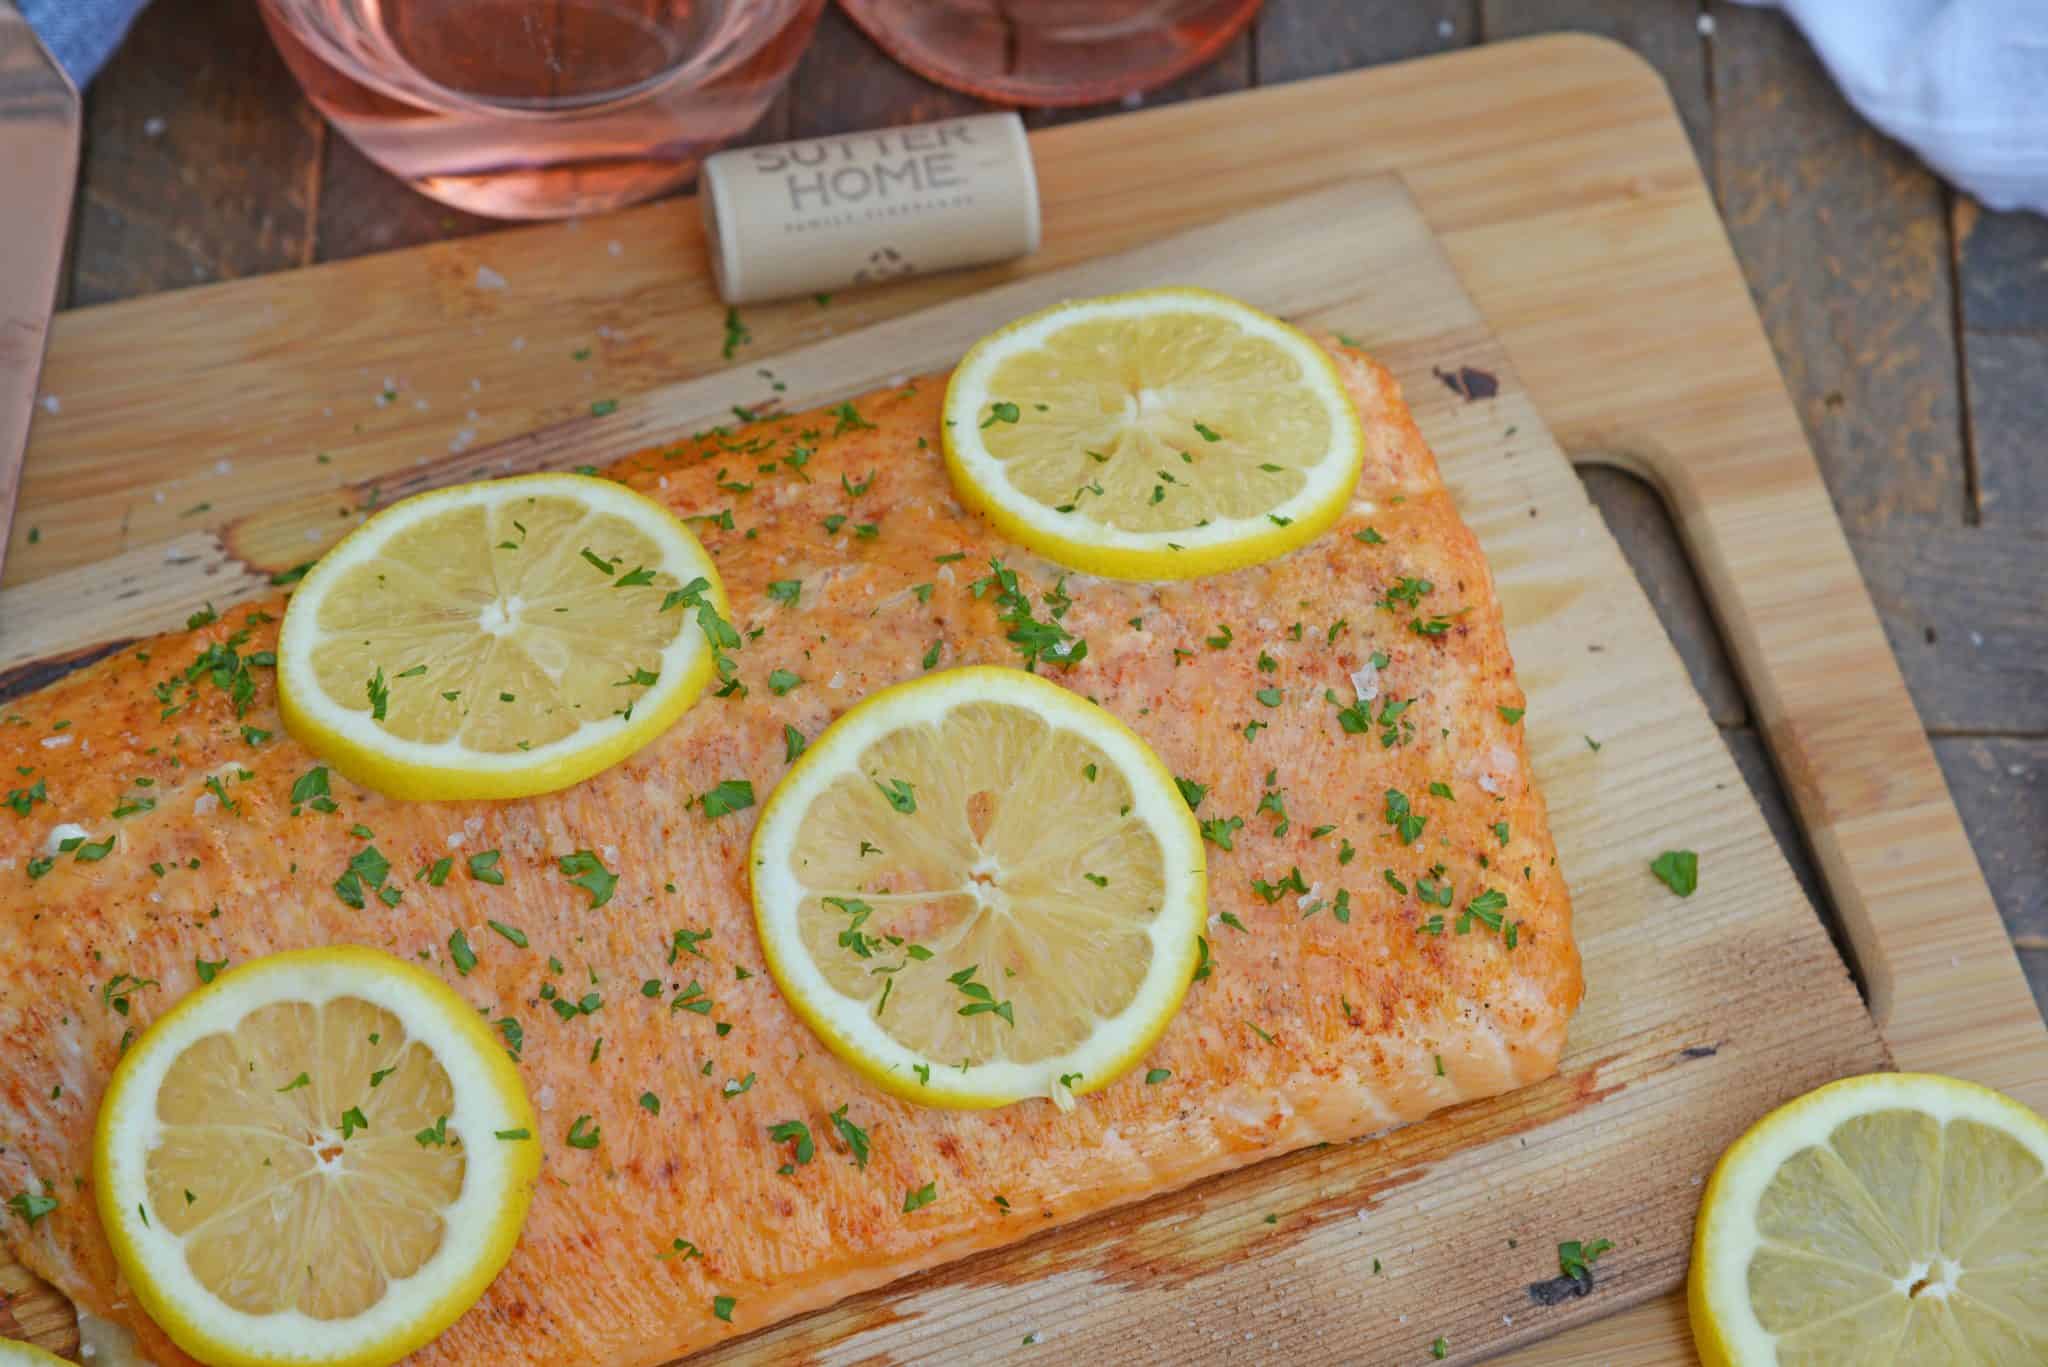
(39, 129)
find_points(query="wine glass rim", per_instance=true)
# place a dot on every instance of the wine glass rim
(309, 27)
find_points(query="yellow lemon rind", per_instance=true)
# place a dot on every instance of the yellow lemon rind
(487, 1064)
(549, 769)
(997, 503)
(1717, 1306)
(782, 948)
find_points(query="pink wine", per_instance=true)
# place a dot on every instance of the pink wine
(540, 108)
(1052, 52)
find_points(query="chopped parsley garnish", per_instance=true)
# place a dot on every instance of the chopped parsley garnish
(352, 1120)
(310, 790)
(686, 942)
(1575, 1258)
(435, 1134)
(1510, 715)
(588, 872)
(379, 693)
(801, 1133)
(484, 868)
(721, 1306)
(1678, 870)
(1220, 831)
(1191, 792)
(302, 1080)
(980, 1000)
(1407, 825)
(734, 1086)
(583, 1134)
(786, 590)
(856, 1138)
(728, 795)
(1406, 592)
(850, 420)
(792, 743)
(1272, 892)
(22, 799)
(604, 408)
(1000, 412)
(1155, 1076)
(461, 953)
(512, 933)
(1035, 640)
(920, 1197)
(899, 793)
(1369, 537)
(781, 681)
(650, 1103)
(30, 1206)
(736, 334)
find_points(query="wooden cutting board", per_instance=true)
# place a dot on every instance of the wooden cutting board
(184, 461)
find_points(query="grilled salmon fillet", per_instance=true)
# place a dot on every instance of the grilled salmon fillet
(1389, 932)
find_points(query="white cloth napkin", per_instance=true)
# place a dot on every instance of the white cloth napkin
(1962, 82)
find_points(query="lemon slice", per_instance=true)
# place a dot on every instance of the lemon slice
(1157, 435)
(977, 887)
(323, 1157)
(1895, 1218)
(499, 639)
(14, 1353)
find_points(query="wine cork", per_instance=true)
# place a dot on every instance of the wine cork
(825, 214)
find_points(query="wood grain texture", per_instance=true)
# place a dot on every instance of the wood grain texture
(1962, 607)
(1176, 1276)
(1640, 522)
(2004, 373)
(2002, 262)
(201, 160)
(1843, 236)
(2001, 788)
(364, 209)
(1563, 188)
(34, 1313)
(1294, 39)
(1668, 36)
